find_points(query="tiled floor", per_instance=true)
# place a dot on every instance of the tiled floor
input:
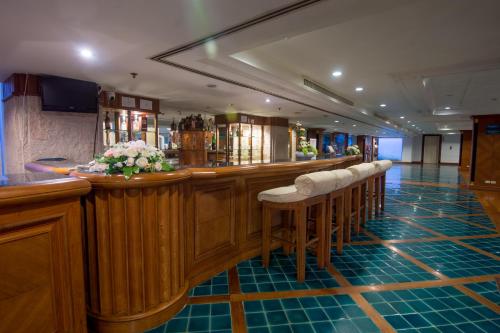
(396, 277)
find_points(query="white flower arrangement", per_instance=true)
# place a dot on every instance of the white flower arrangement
(352, 150)
(131, 158)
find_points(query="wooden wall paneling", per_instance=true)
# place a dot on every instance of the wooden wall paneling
(485, 154)
(465, 150)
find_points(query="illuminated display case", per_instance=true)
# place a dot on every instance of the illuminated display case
(243, 139)
(128, 117)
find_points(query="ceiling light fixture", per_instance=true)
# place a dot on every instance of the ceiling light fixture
(409, 121)
(383, 105)
(268, 100)
(354, 125)
(358, 89)
(447, 108)
(402, 117)
(413, 125)
(336, 121)
(337, 73)
(388, 122)
(86, 53)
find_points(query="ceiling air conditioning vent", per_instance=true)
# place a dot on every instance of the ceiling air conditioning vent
(324, 91)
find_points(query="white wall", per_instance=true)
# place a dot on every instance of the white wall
(450, 148)
(407, 149)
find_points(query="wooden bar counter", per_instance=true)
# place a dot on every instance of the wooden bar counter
(153, 237)
(41, 259)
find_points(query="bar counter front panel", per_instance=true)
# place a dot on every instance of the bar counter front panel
(151, 238)
(146, 241)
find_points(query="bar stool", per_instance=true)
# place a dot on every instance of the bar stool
(378, 181)
(309, 193)
(356, 198)
(335, 212)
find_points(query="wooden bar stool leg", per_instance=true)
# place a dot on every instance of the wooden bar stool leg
(364, 190)
(348, 215)
(340, 223)
(382, 193)
(301, 227)
(377, 195)
(357, 208)
(266, 234)
(320, 233)
(370, 197)
(328, 229)
(287, 225)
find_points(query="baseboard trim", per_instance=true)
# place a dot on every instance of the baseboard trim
(405, 162)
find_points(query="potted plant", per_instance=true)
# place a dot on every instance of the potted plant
(131, 158)
(352, 150)
(304, 149)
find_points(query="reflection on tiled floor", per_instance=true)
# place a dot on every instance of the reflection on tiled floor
(281, 275)
(483, 220)
(307, 314)
(450, 209)
(389, 229)
(218, 285)
(201, 318)
(433, 310)
(376, 264)
(450, 227)
(407, 210)
(489, 289)
(411, 310)
(451, 259)
(491, 245)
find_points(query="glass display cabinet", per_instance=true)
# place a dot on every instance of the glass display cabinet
(243, 139)
(129, 118)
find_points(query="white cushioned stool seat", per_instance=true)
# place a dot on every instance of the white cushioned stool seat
(344, 178)
(382, 165)
(316, 183)
(282, 195)
(362, 171)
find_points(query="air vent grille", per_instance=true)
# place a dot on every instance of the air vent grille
(322, 90)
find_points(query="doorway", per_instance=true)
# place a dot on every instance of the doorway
(431, 149)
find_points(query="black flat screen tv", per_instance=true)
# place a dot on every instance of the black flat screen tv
(68, 95)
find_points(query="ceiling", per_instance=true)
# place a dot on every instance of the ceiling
(433, 62)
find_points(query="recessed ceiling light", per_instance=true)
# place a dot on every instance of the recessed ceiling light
(413, 125)
(336, 121)
(86, 53)
(447, 108)
(268, 100)
(383, 105)
(387, 122)
(354, 125)
(337, 73)
(402, 117)
(359, 89)
(409, 121)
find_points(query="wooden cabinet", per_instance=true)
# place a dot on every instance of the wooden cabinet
(193, 149)
(41, 270)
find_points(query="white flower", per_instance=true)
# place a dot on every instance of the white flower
(119, 165)
(117, 152)
(142, 162)
(131, 152)
(130, 161)
(158, 166)
(98, 167)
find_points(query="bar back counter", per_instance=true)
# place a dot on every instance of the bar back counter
(149, 239)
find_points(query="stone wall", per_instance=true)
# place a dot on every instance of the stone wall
(31, 134)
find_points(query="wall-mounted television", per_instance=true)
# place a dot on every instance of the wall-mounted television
(68, 95)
